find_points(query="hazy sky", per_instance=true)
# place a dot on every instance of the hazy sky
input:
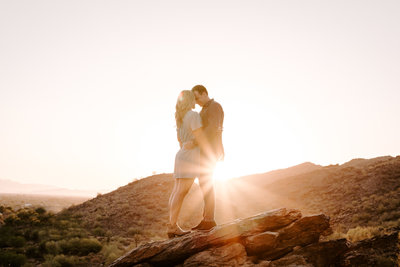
(88, 88)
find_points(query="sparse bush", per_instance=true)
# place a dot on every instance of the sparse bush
(33, 252)
(125, 242)
(134, 231)
(98, 231)
(81, 247)
(12, 220)
(8, 258)
(52, 247)
(111, 252)
(40, 210)
(61, 261)
(17, 241)
(360, 233)
(62, 224)
(99, 217)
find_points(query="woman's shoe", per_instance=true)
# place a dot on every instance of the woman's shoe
(174, 231)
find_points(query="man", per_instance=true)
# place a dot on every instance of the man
(212, 116)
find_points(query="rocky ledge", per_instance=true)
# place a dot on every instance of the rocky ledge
(281, 237)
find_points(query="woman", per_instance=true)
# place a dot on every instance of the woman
(187, 160)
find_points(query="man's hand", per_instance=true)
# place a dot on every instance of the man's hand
(189, 145)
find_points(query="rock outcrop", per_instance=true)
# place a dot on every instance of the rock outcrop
(251, 241)
(281, 237)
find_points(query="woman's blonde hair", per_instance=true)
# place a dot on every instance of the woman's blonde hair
(184, 103)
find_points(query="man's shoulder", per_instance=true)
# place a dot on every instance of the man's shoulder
(215, 105)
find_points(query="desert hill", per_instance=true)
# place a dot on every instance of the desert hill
(362, 192)
(263, 179)
(143, 204)
(357, 193)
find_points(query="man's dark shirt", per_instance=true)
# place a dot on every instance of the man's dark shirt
(212, 117)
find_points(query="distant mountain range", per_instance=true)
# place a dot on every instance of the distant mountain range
(11, 187)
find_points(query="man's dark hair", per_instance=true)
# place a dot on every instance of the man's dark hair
(200, 89)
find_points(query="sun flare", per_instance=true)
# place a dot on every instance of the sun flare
(224, 171)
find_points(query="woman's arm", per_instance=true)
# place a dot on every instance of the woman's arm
(179, 140)
(199, 138)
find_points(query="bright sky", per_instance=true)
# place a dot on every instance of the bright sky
(88, 88)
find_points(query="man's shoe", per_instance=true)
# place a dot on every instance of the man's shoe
(205, 225)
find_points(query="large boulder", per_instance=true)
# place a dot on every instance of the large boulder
(319, 254)
(232, 242)
(275, 238)
(272, 245)
(230, 255)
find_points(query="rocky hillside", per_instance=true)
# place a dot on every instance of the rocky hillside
(358, 193)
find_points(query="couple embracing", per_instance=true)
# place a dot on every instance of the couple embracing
(200, 140)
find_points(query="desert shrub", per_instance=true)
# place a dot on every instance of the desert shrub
(381, 208)
(63, 224)
(98, 231)
(40, 210)
(82, 247)
(336, 235)
(66, 261)
(54, 234)
(78, 215)
(12, 220)
(42, 234)
(111, 252)
(27, 234)
(34, 235)
(5, 235)
(52, 247)
(125, 207)
(125, 242)
(392, 224)
(361, 217)
(33, 252)
(360, 233)
(389, 216)
(8, 258)
(99, 217)
(17, 241)
(61, 261)
(134, 231)
(25, 214)
(76, 232)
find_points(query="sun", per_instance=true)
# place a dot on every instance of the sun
(224, 171)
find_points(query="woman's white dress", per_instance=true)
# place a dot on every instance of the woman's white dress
(187, 161)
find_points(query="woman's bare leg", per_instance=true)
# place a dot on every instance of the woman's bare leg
(183, 187)
(173, 192)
